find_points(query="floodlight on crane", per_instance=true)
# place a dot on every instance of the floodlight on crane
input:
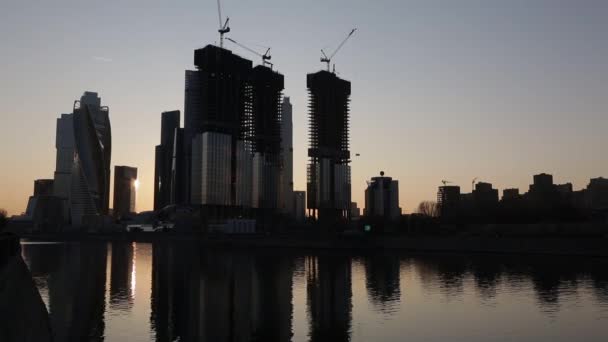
(265, 57)
(326, 59)
(223, 28)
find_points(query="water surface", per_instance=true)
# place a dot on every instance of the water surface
(162, 291)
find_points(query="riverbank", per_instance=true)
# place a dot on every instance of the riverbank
(575, 246)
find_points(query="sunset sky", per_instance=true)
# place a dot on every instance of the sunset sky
(441, 90)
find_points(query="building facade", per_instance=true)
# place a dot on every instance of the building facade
(218, 104)
(125, 190)
(90, 181)
(286, 199)
(382, 198)
(328, 173)
(164, 158)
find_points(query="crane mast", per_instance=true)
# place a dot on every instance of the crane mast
(223, 28)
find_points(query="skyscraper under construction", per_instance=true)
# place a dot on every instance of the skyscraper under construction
(328, 174)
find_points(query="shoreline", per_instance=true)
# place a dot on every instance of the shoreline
(564, 246)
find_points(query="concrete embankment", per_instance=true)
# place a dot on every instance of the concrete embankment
(549, 245)
(23, 316)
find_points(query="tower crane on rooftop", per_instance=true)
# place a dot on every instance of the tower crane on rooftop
(265, 57)
(223, 28)
(326, 59)
(445, 182)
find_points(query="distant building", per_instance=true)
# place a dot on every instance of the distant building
(328, 174)
(125, 190)
(597, 193)
(43, 187)
(164, 159)
(217, 118)
(382, 198)
(299, 205)
(510, 194)
(355, 212)
(82, 171)
(90, 183)
(485, 197)
(448, 200)
(286, 200)
(265, 131)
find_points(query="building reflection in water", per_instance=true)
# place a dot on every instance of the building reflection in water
(382, 280)
(220, 295)
(76, 278)
(229, 295)
(329, 297)
(122, 275)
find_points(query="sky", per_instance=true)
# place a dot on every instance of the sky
(441, 90)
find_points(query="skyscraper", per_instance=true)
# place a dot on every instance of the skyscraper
(267, 87)
(287, 199)
(125, 190)
(328, 183)
(217, 117)
(90, 181)
(164, 159)
(64, 143)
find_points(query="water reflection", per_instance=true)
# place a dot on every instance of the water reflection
(229, 295)
(329, 297)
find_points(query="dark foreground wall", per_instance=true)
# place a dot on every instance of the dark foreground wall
(23, 316)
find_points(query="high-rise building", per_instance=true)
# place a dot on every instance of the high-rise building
(218, 102)
(84, 147)
(448, 200)
(266, 88)
(90, 181)
(510, 194)
(382, 198)
(164, 159)
(125, 190)
(286, 199)
(328, 174)
(64, 143)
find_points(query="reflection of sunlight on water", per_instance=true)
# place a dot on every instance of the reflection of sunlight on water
(133, 271)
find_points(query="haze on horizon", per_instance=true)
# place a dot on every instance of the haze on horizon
(440, 89)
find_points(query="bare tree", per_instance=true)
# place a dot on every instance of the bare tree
(428, 208)
(3, 219)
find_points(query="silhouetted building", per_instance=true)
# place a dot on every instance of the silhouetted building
(43, 187)
(164, 159)
(64, 143)
(267, 88)
(125, 190)
(328, 174)
(218, 115)
(448, 200)
(597, 193)
(355, 212)
(510, 194)
(485, 199)
(84, 148)
(299, 206)
(287, 199)
(382, 198)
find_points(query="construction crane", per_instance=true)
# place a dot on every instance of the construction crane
(223, 28)
(445, 182)
(326, 59)
(265, 57)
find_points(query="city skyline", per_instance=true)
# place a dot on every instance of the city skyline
(539, 124)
